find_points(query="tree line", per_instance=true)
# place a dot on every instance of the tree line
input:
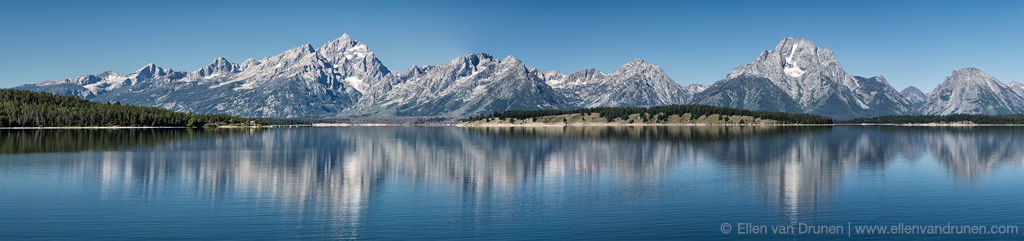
(22, 108)
(623, 113)
(954, 118)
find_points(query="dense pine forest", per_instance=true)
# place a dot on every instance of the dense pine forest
(612, 113)
(21, 108)
(956, 118)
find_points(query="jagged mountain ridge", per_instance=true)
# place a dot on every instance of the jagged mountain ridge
(472, 84)
(636, 83)
(1016, 87)
(809, 76)
(343, 77)
(881, 97)
(88, 86)
(302, 81)
(971, 91)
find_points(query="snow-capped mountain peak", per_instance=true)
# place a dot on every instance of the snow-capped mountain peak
(511, 59)
(149, 68)
(808, 75)
(552, 78)
(344, 77)
(344, 48)
(150, 71)
(219, 67)
(250, 62)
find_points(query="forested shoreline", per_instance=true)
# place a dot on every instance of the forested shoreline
(1017, 119)
(22, 108)
(660, 113)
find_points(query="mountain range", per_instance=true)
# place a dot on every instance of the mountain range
(344, 78)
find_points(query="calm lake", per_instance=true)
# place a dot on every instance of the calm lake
(605, 183)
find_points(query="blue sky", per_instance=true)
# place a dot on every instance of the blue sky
(910, 42)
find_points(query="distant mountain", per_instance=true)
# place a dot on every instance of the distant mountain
(881, 97)
(90, 86)
(344, 77)
(1016, 87)
(636, 83)
(914, 96)
(302, 81)
(799, 72)
(971, 91)
(472, 84)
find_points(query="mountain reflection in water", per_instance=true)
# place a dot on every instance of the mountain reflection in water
(334, 173)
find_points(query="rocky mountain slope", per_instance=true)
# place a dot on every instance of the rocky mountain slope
(914, 96)
(344, 78)
(472, 84)
(799, 72)
(302, 81)
(971, 91)
(1016, 87)
(636, 83)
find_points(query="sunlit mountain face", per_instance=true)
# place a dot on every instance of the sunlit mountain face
(343, 77)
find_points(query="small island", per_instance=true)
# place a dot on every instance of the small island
(28, 109)
(658, 115)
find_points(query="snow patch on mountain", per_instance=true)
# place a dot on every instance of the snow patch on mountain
(791, 68)
(343, 77)
(357, 83)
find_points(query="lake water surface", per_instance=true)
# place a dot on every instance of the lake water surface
(605, 183)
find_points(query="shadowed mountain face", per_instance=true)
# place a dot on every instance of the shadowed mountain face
(748, 92)
(344, 78)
